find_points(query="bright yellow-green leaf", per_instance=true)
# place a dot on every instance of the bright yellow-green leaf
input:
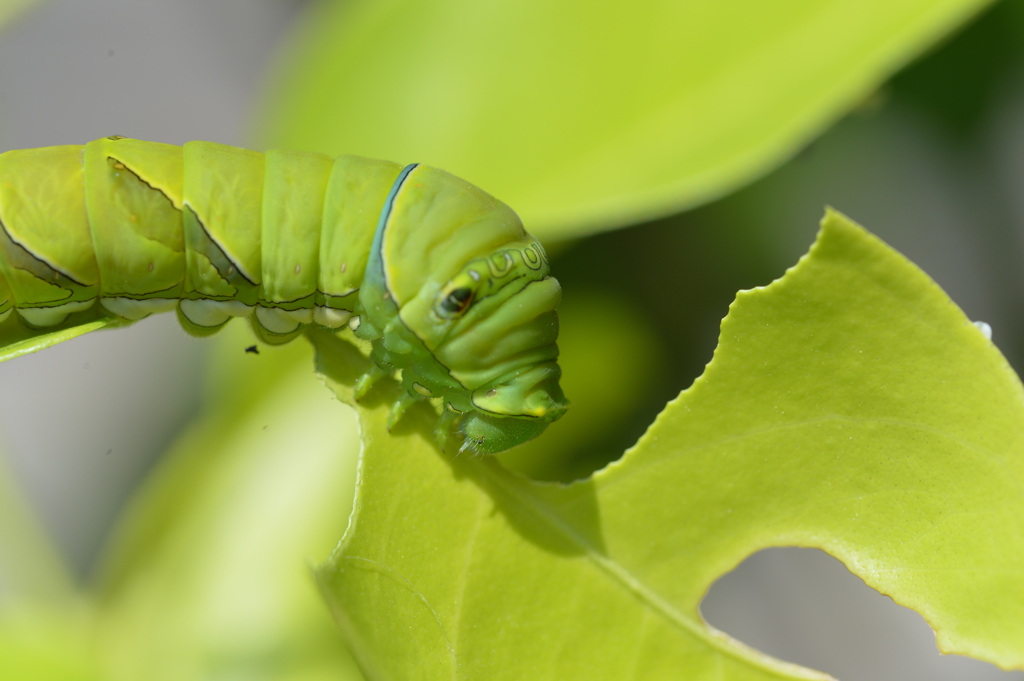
(46, 641)
(850, 406)
(590, 115)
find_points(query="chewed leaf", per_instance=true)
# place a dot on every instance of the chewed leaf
(850, 406)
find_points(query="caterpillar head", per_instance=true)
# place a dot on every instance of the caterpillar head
(502, 327)
(470, 287)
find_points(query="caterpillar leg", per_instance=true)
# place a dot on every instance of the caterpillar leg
(365, 382)
(400, 406)
(445, 426)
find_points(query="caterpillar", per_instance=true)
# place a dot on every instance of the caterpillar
(440, 277)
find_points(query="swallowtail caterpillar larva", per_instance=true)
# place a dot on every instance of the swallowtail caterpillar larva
(438, 275)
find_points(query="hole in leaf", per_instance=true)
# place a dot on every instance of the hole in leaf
(804, 606)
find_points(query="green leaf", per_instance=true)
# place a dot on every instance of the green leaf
(46, 642)
(588, 116)
(850, 406)
(18, 339)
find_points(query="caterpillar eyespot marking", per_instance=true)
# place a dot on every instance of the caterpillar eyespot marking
(121, 228)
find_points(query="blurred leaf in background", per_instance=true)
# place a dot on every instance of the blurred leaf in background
(45, 625)
(208, 574)
(30, 568)
(10, 9)
(590, 117)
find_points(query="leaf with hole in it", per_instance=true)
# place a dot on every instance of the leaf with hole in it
(850, 406)
(588, 116)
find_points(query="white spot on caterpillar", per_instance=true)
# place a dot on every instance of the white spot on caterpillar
(51, 316)
(213, 312)
(354, 323)
(985, 329)
(344, 266)
(150, 267)
(275, 320)
(200, 314)
(386, 295)
(298, 268)
(331, 318)
(422, 389)
(231, 269)
(492, 393)
(475, 275)
(127, 308)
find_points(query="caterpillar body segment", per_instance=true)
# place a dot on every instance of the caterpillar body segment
(438, 275)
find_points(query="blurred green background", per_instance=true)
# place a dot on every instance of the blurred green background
(931, 161)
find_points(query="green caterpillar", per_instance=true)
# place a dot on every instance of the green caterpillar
(438, 275)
